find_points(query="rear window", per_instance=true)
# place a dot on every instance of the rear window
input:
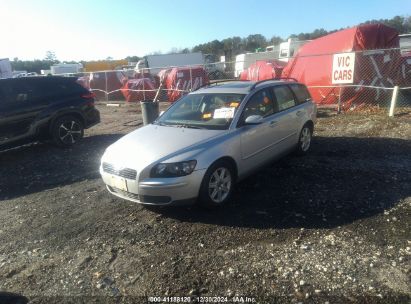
(300, 92)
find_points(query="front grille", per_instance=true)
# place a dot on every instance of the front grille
(149, 199)
(125, 172)
(124, 193)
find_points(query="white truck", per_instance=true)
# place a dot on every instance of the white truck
(5, 68)
(155, 63)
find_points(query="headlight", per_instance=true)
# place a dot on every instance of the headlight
(173, 169)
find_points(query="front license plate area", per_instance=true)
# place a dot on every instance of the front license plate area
(119, 182)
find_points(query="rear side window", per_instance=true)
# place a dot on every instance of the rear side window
(21, 91)
(284, 97)
(61, 87)
(300, 92)
(2, 96)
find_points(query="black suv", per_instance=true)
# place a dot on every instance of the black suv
(41, 108)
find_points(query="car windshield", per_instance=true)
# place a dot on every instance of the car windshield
(203, 111)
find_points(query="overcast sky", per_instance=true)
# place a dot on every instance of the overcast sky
(87, 30)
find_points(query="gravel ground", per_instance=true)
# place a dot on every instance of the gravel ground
(334, 226)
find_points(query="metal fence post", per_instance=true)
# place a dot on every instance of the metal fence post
(339, 101)
(105, 75)
(191, 79)
(144, 89)
(393, 101)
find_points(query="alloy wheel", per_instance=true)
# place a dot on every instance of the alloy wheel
(305, 139)
(69, 132)
(220, 184)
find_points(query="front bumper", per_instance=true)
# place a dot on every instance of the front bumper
(92, 117)
(156, 191)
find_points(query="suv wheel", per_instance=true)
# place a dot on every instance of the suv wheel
(217, 185)
(67, 131)
(304, 141)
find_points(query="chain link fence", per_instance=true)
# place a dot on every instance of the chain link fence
(373, 80)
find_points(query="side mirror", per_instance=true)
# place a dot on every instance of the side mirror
(253, 120)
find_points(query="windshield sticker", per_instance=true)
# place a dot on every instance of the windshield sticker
(226, 113)
(206, 115)
(234, 104)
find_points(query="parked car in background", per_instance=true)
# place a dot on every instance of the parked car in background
(208, 140)
(33, 108)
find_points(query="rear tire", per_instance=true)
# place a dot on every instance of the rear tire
(67, 131)
(217, 185)
(304, 140)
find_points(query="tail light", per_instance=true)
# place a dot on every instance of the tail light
(88, 95)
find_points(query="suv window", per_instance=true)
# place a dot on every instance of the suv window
(260, 103)
(300, 92)
(21, 91)
(2, 96)
(284, 97)
(59, 87)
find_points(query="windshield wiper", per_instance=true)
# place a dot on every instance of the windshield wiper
(159, 123)
(187, 126)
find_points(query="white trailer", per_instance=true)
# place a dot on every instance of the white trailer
(66, 68)
(289, 48)
(405, 43)
(243, 61)
(5, 68)
(157, 62)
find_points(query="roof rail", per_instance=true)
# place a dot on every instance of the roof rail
(217, 82)
(272, 79)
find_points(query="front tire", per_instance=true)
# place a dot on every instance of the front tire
(304, 140)
(217, 185)
(67, 131)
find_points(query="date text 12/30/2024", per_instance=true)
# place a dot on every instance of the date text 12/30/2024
(202, 299)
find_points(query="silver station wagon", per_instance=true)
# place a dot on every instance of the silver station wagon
(209, 140)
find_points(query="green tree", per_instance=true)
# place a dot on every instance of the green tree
(132, 58)
(276, 40)
(51, 57)
(255, 41)
(401, 23)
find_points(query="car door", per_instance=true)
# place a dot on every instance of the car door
(303, 109)
(287, 117)
(258, 141)
(22, 104)
(3, 109)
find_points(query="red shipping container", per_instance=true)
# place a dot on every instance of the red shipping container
(135, 90)
(263, 69)
(181, 80)
(313, 65)
(110, 82)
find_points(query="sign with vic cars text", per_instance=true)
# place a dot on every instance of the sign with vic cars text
(343, 68)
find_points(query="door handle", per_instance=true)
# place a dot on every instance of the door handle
(300, 113)
(273, 123)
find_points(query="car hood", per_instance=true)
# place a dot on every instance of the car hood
(152, 143)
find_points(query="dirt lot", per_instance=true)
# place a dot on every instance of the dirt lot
(332, 226)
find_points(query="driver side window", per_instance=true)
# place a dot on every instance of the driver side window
(260, 103)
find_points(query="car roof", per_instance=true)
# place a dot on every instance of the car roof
(40, 78)
(239, 86)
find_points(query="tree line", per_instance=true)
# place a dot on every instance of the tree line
(237, 45)
(229, 47)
